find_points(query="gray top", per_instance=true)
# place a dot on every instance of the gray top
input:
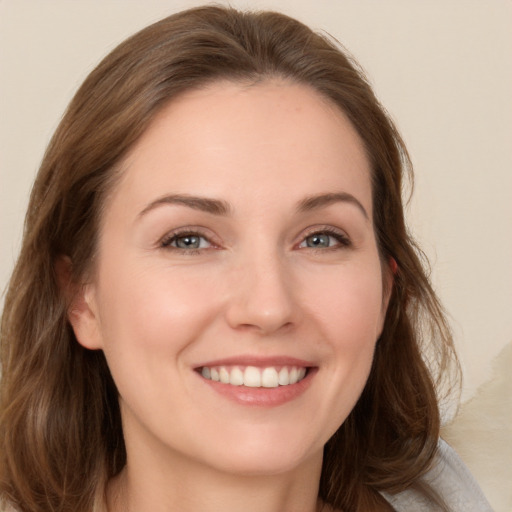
(453, 482)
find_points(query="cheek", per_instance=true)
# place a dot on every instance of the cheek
(349, 305)
(348, 314)
(153, 310)
(149, 320)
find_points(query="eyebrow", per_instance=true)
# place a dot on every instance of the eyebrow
(204, 204)
(322, 200)
(223, 208)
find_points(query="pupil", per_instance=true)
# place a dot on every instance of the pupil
(186, 242)
(318, 240)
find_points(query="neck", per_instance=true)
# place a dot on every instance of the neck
(188, 487)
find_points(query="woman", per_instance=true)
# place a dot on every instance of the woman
(217, 304)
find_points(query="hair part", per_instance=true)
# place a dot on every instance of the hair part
(57, 397)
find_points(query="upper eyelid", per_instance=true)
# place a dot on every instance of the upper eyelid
(208, 235)
(324, 229)
(184, 231)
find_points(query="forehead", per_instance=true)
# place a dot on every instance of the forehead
(246, 143)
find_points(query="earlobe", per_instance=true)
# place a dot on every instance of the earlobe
(83, 316)
(82, 312)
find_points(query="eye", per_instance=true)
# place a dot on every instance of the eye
(186, 241)
(325, 239)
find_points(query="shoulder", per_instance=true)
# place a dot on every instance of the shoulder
(451, 479)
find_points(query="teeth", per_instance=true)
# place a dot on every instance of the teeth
(237, 377)
(269, 378)
(224, 375)
(284, 376)
(254, 377)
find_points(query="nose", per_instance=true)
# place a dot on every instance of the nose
(263, 296)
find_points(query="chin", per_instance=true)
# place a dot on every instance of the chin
(259, 454)
(266, 464)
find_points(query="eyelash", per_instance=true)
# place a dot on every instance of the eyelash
(342, 240)
(166, 242)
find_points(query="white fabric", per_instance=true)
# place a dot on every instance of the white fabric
(452, 481)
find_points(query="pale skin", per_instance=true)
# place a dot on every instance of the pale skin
(241, 230)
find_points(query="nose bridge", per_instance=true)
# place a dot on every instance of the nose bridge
(263, 293)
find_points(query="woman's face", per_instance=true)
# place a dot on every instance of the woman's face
(238, 292)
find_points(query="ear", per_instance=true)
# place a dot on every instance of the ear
(82, 309)
(393, 265)
(389, 272)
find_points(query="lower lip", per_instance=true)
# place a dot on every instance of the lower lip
(262, 397)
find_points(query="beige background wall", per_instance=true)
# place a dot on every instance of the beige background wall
(442, 68)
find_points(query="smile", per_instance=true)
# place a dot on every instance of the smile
(255, 377)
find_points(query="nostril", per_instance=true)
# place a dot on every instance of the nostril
(264, 327)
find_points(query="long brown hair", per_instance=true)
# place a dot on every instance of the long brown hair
(60, 426)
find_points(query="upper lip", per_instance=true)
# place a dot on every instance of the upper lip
(258, 361)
